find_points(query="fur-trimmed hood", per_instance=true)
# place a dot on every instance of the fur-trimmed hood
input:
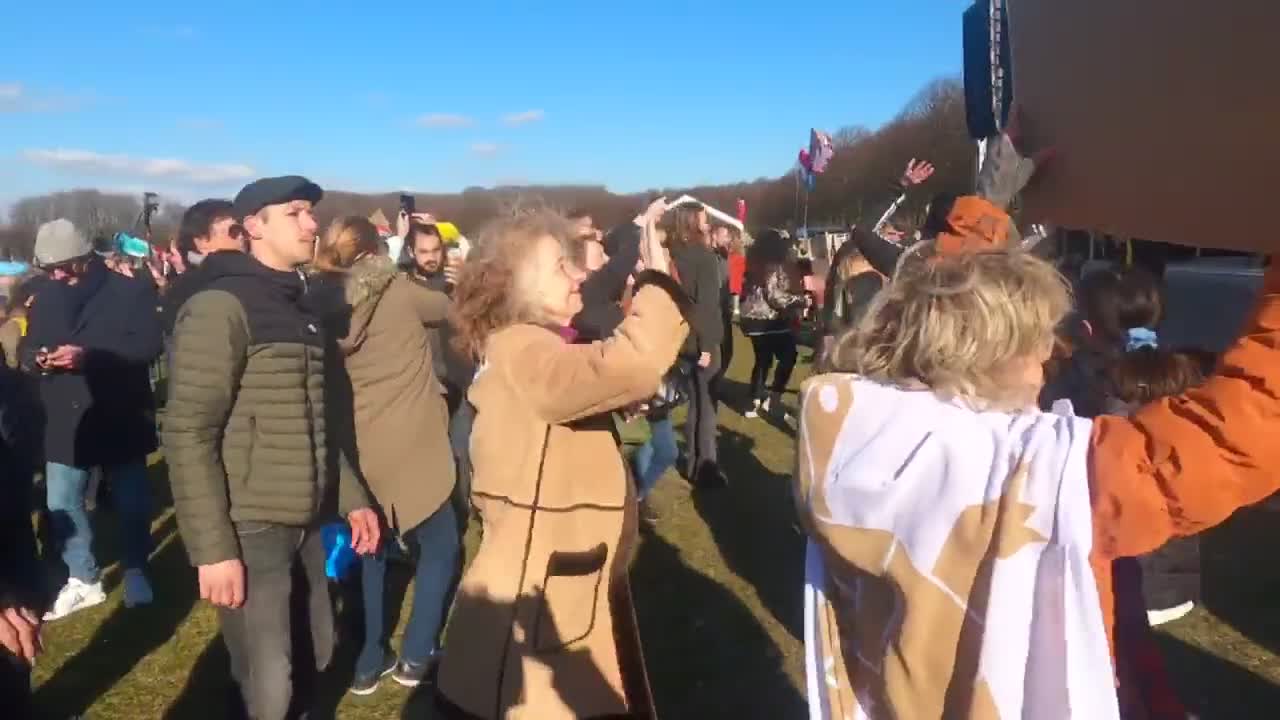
(363, 288)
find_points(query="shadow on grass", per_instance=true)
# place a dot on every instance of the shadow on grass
(349, 624)
(707, 655)
(1241, 592)
(1217, 689)
(754, 526)
(209, 693)
(734, 389)
(125, 637)
(1236, 587)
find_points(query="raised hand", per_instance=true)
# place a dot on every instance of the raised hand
(656, 210)
(917, 172)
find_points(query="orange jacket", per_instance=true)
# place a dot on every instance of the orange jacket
(1184, 464)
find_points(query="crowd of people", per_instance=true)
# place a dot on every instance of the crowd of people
(980, 445)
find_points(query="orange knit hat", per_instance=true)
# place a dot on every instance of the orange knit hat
(978, 225)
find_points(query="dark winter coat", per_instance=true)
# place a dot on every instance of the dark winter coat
(20, 421)
(700, 276)
(104, 413)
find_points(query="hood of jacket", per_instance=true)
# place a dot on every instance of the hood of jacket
(363, 287)
(185, 286)
(222, 265)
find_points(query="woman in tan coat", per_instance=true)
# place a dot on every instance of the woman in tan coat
(543, 626)
(386, 386)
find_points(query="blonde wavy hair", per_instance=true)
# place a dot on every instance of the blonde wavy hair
(491, 294)
(965, 326)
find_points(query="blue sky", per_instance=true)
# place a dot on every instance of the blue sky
(190, 100)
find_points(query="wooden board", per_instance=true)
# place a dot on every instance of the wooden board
(1164, 115)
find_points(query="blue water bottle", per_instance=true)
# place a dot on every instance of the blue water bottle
(338, 555)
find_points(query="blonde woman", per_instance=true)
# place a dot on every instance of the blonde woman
(962, 540)
(542, 624)
(387, 396)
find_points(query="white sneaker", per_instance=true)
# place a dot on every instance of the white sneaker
(1168, 615)
(75, 596)
(754, 412)
(773, 406)
(137, 589)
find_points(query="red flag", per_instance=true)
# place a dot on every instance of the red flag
(742, 211)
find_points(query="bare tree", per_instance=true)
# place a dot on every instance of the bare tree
(858, 184)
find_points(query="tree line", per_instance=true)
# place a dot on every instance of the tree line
(857, 186)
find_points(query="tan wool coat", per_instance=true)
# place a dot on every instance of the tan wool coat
(401, 421)
(542, 626)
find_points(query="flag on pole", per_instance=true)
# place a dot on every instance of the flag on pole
(821, 150)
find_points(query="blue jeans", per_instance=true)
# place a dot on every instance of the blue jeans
(131, 499)
(438, 549)
(657, 455)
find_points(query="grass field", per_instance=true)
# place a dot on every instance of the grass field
(717, 585)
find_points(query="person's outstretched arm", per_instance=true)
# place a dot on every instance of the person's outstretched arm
(564, 382)
(1186, 463)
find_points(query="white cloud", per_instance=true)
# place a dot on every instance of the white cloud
(15, 98)
(87, 161)
(442, 120)
(485, 148)
(524, 118)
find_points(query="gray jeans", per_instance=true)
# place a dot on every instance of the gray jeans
(700, 426)
(285, 584)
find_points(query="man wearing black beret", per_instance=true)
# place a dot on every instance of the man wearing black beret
(244, 436)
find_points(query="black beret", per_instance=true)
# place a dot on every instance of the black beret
(275, 191)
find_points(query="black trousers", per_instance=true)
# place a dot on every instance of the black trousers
(718, 394)
(770, 348)
(701, 424)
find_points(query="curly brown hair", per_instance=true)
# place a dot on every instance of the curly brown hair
(489, 295)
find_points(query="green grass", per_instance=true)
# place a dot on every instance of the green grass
(717, 585)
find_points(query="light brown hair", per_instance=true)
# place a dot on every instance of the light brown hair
(685, 228)
(347, 239)
(489, 295)
(959, 325)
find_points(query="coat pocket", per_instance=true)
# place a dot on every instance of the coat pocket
(570, 598)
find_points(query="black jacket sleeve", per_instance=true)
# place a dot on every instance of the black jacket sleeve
(882, 254)
(607, 284)
(20, 428)
(49, 322)
(602, 291)
(143, 341)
